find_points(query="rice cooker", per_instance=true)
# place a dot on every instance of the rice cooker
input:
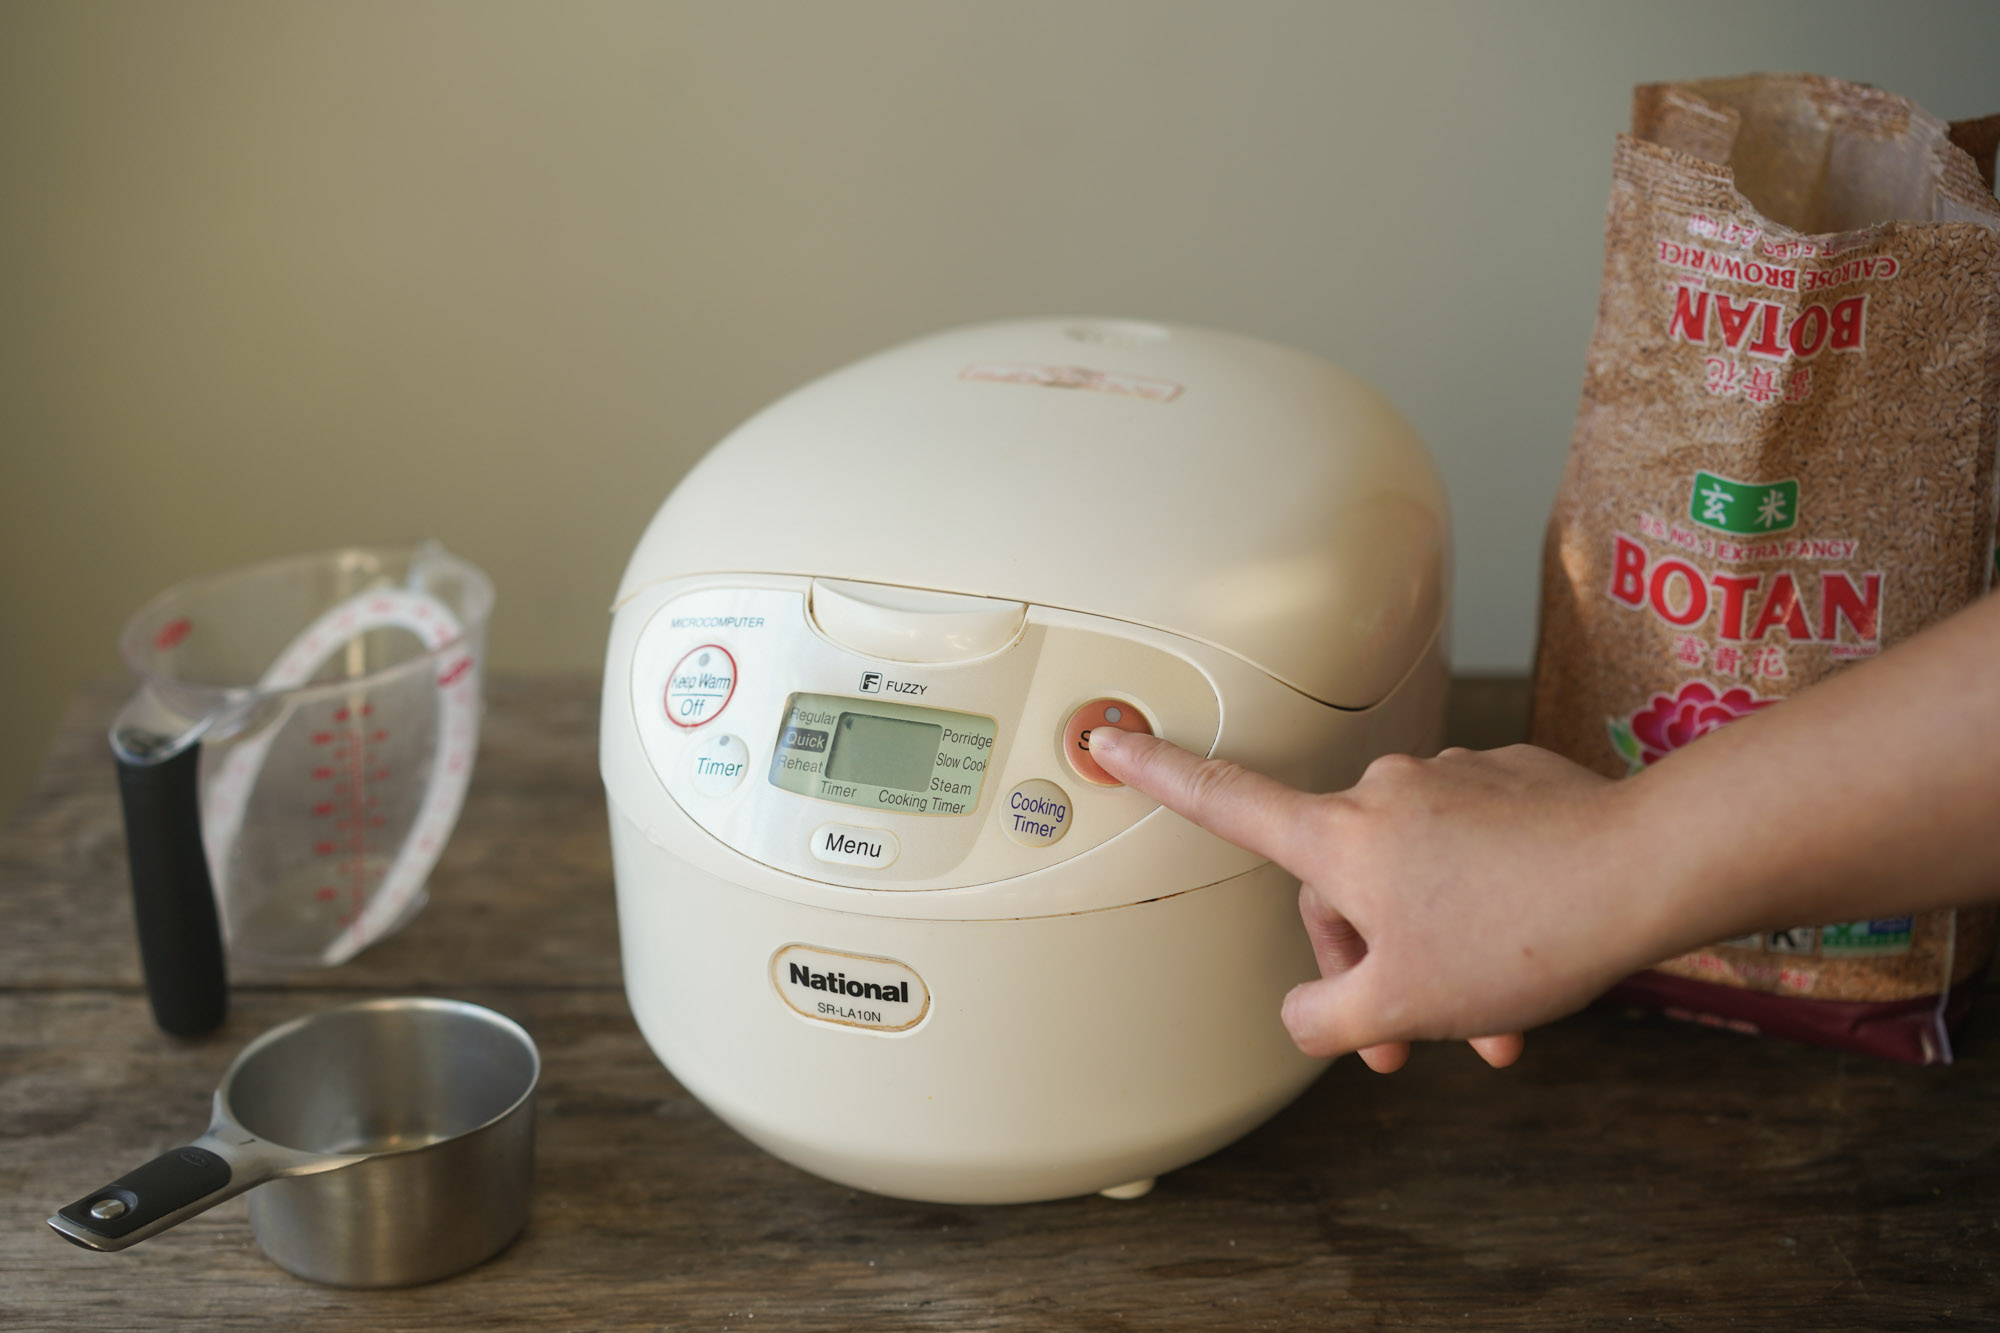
(878, 908)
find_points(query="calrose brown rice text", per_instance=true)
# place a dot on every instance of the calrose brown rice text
(1784, 462)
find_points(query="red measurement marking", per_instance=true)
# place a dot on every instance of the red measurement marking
(322, 773)
(379, 774)
(325, 893)
(455, 670)
(323, 808)
(367, 710)
(171, 634)
(374, 821)
(325, 848)
(340, 715)
(322, 738)
(381, 735)
(353, 793)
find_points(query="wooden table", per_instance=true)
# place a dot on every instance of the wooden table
(1629, 1172)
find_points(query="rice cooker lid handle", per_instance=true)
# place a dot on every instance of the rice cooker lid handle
(900, 624)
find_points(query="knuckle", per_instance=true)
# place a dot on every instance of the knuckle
(1334, 812)
(1149, 765)
(1392, 768)
(1210, 781)
(1338, 824)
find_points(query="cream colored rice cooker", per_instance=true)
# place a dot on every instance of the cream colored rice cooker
(878, 908)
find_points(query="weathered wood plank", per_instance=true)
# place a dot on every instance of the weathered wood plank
(1627, 1170)
(1678, 1177)
(521, 896)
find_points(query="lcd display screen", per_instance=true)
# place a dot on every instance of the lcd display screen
(882, 755)
(883, 751)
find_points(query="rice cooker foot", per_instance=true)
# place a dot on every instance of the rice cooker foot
(1131, 1189)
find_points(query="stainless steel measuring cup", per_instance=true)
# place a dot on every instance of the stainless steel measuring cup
(397, 1137)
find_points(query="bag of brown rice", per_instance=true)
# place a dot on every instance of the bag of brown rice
(1784, 461)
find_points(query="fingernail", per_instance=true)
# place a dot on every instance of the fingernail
(1288, 1011)
(1104, 739)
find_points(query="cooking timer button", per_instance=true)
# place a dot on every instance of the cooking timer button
(700, 686)
(718, 765)
(1036, 813)
(1120, 713)
(849, 845)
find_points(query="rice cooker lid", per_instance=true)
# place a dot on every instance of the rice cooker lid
(1223, 488)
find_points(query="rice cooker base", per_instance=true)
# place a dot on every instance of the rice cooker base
(1061, 1056)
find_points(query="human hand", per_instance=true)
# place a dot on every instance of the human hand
(1457, 897)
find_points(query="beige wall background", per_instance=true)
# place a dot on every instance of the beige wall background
(278, 276)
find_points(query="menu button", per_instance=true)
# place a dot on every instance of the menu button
(848, 845)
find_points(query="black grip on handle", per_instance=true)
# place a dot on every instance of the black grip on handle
(140, 1197)
(173, 900)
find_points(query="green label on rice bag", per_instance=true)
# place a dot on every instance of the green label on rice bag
(1742, 507)
(1852, 939)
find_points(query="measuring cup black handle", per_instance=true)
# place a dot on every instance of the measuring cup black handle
(173, 900)
(150, 1199)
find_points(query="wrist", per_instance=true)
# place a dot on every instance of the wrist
(1722, 859)
(1679, 893)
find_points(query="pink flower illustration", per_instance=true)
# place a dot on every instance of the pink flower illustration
(1669, 721)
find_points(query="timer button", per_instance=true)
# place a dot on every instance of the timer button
(718, 765)
(700, 686)
(1120, 713)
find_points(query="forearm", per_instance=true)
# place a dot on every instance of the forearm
(1872, 794)
(1488, 892)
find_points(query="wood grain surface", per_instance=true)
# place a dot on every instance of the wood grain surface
(1629, 1172)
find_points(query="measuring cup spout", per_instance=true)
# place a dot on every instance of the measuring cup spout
(160, 721)
(157, 743)
(181, 1182)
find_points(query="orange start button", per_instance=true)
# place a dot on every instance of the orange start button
(1119, 713)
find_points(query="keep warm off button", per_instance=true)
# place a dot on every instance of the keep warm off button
(700, 686)
(847, 845)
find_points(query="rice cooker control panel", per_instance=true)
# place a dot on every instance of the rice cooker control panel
(819, 758)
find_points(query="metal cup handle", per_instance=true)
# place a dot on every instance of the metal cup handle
(181, 1182)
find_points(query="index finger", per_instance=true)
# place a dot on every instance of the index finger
(1257, 813)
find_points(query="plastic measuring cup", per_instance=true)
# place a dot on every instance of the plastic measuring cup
(294, 759)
